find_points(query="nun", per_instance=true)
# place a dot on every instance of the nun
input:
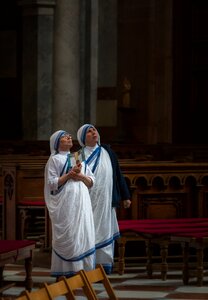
(66, 189)
(109, 190)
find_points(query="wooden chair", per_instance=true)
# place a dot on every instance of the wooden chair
(40, 294)
(99, 275)
(22, 297)
(67, 287)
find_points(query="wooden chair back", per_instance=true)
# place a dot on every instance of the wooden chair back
(22, 297)
(68, 286)
(56, 289)
(40, 294)
(99, 275)
(64, 287)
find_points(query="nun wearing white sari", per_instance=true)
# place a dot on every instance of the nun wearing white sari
(109, 190)
(67, 184)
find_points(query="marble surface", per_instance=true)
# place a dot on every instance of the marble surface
(134, 284)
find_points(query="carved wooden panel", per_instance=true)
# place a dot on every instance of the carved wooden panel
(165, 189)
(157, 206)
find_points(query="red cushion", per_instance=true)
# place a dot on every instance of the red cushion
(189, 226)
(10, 245)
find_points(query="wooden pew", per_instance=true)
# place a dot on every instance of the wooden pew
(22, 184)
(12, 251)
(198, 241)
(162, 232)
(30, 202)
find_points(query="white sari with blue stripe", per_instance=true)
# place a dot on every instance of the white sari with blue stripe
(106, 225)
(70, 210)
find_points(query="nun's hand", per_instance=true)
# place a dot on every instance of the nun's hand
(126, 203)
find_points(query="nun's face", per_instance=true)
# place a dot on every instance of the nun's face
(65, 142)
(92, 137)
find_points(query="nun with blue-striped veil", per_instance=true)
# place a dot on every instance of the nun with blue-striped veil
(66, 189)
(110, 189)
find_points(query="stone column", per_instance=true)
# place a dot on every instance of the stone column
(37, 53)
(75, 64)
(66, 66)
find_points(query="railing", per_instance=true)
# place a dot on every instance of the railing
(159, 189)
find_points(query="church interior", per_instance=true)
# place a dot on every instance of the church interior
(138, 71)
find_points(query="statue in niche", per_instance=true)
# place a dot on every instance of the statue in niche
(126, 92)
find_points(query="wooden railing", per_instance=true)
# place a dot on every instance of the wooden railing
(163, 189)
(159, 189)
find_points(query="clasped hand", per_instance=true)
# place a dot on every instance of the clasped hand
(75, 172)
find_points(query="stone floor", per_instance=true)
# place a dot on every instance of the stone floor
(133, 284)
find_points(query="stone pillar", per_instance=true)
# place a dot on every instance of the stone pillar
(37, 53)
(75, 64)
(66, 66)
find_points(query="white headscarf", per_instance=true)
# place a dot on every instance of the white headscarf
(81, 134)
(54, 141)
